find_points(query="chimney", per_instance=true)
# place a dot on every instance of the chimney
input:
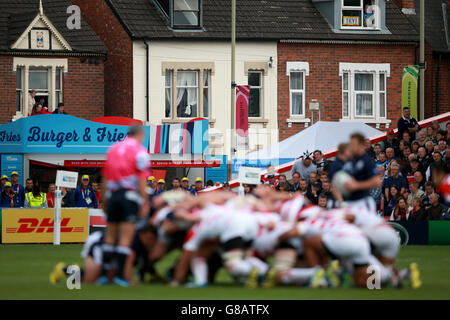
(407, 6)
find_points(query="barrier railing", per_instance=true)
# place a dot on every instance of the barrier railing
(331, 153)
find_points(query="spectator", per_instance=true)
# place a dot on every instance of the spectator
(341, 158)
(391, 141)
(304, 166)
(447, 158)
(400, 212)
(8, 198)
(377, 150)
(98, 194)
(161, 186)
(404, 157)
(151, 184)
(390, 154)
(320, 162)
(60, 109)
(31, 101)
(35, 198)
(417, 212)
(429, 190)
(437, 161)
(382, 160)
(369, 149)
(422, 138)
(51, 195)
(431, 134)
(313, 194)
(406, 138)
(67, 198)
(209, 183)
(18, 189)
(226, 186)
(185, 184)
(395, 180)
(377, 193)
(412, 167)
(407, 124)
(84, 195)
(323, 201)
(272, 180)
(437, 211)
(415, 147)
(326, 190)
(429, 146)
(282, 179)
(415, 192)
(3, 181)
(418, 177)
(423, 158)
(391, 201)
(29, 185)
(295, 182)
(38, 110)
(176, 185)
(284, 187)
(303, 186)
(198, 186)
(248, 188)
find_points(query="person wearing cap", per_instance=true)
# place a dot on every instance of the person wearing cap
(84, 195)
(304, 166)
(151, 184)
(18, 189)
(161, 186)
(3, 180)
(314, 193)
(8, 197)
(391, 141)
(198, 186)
(185, 184)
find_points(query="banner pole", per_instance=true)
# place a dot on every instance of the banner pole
(57, 218)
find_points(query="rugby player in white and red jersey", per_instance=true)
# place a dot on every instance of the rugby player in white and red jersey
(125, 175)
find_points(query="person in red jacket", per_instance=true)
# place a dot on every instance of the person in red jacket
(51, 196)
(39, 109)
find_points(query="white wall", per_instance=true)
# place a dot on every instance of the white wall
(218, 53)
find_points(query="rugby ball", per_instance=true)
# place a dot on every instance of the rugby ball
(339, 181)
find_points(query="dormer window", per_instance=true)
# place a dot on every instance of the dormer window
(181, 14)
(359, 14)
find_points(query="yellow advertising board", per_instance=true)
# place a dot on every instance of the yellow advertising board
(36, 225)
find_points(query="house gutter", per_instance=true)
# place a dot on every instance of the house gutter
(315, 41)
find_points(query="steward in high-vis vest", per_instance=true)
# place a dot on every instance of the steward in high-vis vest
(35, 198)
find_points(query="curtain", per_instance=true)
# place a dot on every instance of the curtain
(187, 97)
(206, 93)
(364, 101)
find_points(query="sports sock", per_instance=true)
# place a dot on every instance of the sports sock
(240, 268)
(121, 253)
(200, 270)
(298, 276)
(385, 272)
(107, 257)
(258, 264)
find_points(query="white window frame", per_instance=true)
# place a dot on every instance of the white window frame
(208, 88)
(297, 66)
(19, 99)
(188, 87)
(59, 97)
(261, 92)
(364, 92)
(372, 68)
(360, 7)
(293, 91)
(170, 87)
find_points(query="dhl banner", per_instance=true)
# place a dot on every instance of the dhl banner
(409, 89)
(36, 225)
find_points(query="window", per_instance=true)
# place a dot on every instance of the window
(297, 93)
(359, 14)
(206, 93)
(38, 80)
(58, 87)
(19, 90)
(186, 13)
(364, 91)
(187, 94)
(168, 90)
(255, 97)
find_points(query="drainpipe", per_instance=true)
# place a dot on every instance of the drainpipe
(147, 76)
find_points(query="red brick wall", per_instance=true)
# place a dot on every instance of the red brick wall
(443, 82)
(83, 89)
(119, 66)
(7, 89)
(325, 84)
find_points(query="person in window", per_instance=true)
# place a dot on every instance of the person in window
(417, 212)
(369, 15)
(60, 109)
(84, 195)
(51, 195)
(35, 198)
(8, 198)
(18, 189)
(39, 109)
(31, 101)
(67, 198)
(408, 124)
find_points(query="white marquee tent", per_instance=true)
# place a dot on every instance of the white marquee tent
(323, 135)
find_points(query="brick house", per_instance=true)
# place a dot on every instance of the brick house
(38, 51)
(352, 66)
(437, 51)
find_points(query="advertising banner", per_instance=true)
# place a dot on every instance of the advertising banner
(409, 89)
(242, 97)
(11, 163)
(36, 225)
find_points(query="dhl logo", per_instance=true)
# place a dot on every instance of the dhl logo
(32, 225)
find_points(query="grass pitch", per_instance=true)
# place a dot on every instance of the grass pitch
(24, 271)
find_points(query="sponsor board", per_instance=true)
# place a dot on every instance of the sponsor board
(36, 225)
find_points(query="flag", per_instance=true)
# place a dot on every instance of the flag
(242, 97)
